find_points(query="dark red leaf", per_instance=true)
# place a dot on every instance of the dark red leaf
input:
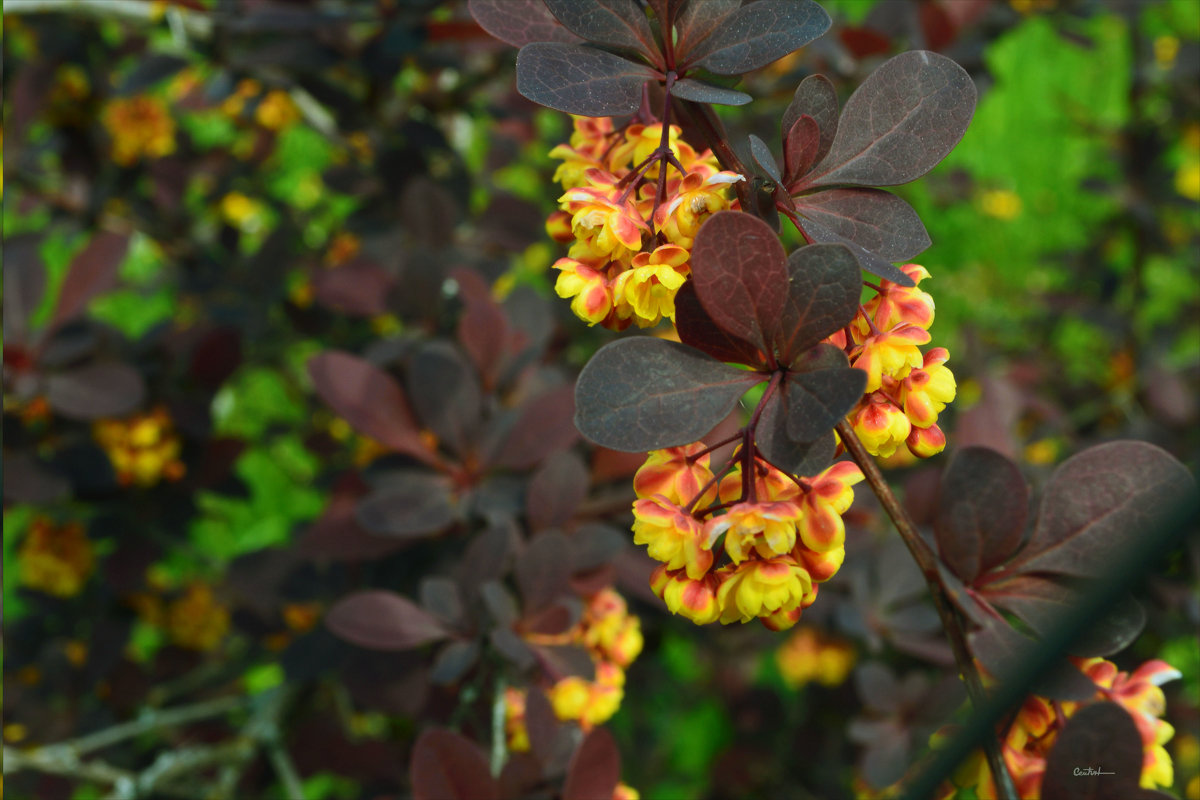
(821, 390)
(864, 42)
(439, 596)
(482, 328)
(1097, 501)
(216, 356)
(521, 774)
(96, 390)
(360, 288)
(92, 272)
(738, 268)
(1002, 650)
(448, 766)
(543, 570)
(336, 535)
(763, 157)
(702, 92)
(899, 123)
(867, 261)
(757, 34)
(487, 557)
(368, 399)
(983, 506)
(824, 285)
(27, 480)
(382, 620)
(815, 97)
(595, 768)
(776, 446)
(618, 23)
(556, 489)
(544, 427)
(697, 329)
(412, 505)
(1098, 738)
(643, 393)
(698, 19)
(800, 146)
(580, 80)
(499, 602)
(453, 662)
(519, 22)
(24, 285)
(543, 725)
(445, 394)
(876, 220)
(594, 545)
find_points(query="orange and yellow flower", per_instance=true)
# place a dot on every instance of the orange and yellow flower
(55, 559)
(141, 127)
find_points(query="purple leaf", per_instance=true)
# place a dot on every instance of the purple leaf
(360, 288)
(800, 147)
(821, 390)
(1095, 504)
(1101, 737)
(876, 220)
(867, 261)
(96, 390)
(556, 490)
(981, 512)
(92, 272)
(446, 395)
(617, 23)
(899, 123)
(763, 157)
(644, 393)
(453, 661)
(543, 571)
(698, 19)
(738, 267)
(482, 328)
(580, 80)
(413, 505)
(368, 399)
(544, 427)
(697, 329)
(701, 92)
(595, 768)
(519, 22)
(382, 620)
(1002, 650)
(824, 285)
(24, 285)
(439, 596)
(757, 34)
(776, 446)
(815, 97)
(448, 766)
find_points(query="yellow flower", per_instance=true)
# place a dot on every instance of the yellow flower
(591, 296)
(880, 424)
(144, 449)
(650, 285)
(768, 529)
(672, 536)
(56, 560)
(809, 656)
(677, 474)
(1000, 204)
(761, 588)
(925, 392)
(197, 620)
(276, 110)
(140, 127)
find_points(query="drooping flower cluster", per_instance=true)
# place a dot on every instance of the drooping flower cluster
(906, 390)
(758, 553)
(55, 559)
(1038, 723)
(630, 247)
(811, 656)
(144, 449)
(196, 619)
(141, 127)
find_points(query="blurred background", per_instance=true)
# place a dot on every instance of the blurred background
(201, 196)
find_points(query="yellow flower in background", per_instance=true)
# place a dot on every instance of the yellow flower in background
(140, 127)
(810, 656)
(1187, 180)
(144, 449)
(276, 110)
(342, 248)
(240, 211)
(1000, 204)
(516, 734)
(590, 703)
(197, 620)
(54, 559)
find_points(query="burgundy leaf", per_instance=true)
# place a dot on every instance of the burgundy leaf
(482, 328)
(453, 661)
(360, 288)
(446, 395)
(563, 661)
(757, 34)
(824, 285)
(701, 92)
(763, 157)
(543, 725)
(92, 272)
(543, 570)
(580, 80)
(499, 602)
(618, 23)
(24, 285)
(512, 647)
(594, 545)
(216, 356)
(414, 505)
(439, 596)
(382, 620)
(698, 19)
(595, 768)
(519, 22)
(643, 393)
(876, 220)
(27, 480)
(1002, 650)
(1100, 737)
(867, 261)
(899, 123)
(521, 774)
(1097, 501)
(776, 446)
(556, 489)
(368, 399)
(800, 147)
(981, 513)
(697, 329)
(544, 427)
(336, 535)
(815, 97)
(738, 267)
(820, 392)
(487, 557)
(96, 390)
(448, 766)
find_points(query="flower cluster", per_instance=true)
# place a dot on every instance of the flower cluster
(140, 127)
(144, 449)
(906, 390)
(811, 656)
(757, 553)
(196, 619)
(629, 245)
(1039, 721)
(55, 559)
(273, 109)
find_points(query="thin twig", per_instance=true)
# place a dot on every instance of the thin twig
(197, 24)
(951, 621)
